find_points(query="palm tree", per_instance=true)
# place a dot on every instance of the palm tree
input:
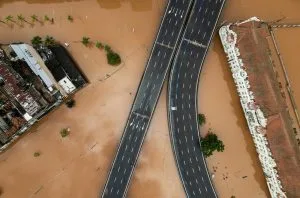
(9, 18)
(36, 41)
(22, 19)
(99, 45)
(70, 18)
(49, 41)
(46, 18)
(34, 18)
(85, 41)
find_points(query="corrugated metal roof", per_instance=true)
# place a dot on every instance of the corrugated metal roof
(29, 56)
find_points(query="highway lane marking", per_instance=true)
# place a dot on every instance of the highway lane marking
(199, 168)
(190, 160)
(164, 45)
(125, 171)
(119, 169)
(184, 162)
(206, 10)
(194, 193)
(183, 85)
(128, 160)
(115, 179)
(204, 34)
(196, 180)
(158, 53)
(184, 130)
(205, 188)
(199, 190)
(197, 56)
(208, 23)
(190, 86)
(179, 141)
(189, 105)
(129, 136)
(187, 172)
(202, 179)
(198, 31)
(178, 130)
(212, 13)
(112, 188)
(191, 128)
(135, 139)
(126, 147)
(195, 43)
(193, 170)
(121, 181)
(131, 150)
(182, 115)
(118, 192)
(122, 158)
(188, 150)
(196, 158)
(202, 20)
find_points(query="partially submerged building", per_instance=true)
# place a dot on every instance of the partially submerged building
(32, 82)
(268, 114)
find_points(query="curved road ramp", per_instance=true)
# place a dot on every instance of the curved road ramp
(182, 101)
(163, 51)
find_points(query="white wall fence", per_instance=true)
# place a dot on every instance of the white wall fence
(253, 114)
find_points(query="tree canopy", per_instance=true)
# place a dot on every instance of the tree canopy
(37, 40)
(201, 119)
(85, 41)
(211, 143)
(113, 58)
(49, 41)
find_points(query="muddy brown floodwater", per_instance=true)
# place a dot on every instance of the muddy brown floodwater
(77, 166)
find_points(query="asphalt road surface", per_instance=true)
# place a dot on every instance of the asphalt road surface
(163, 52)
(182, 101)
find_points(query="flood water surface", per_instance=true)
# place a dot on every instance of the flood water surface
(77, 166)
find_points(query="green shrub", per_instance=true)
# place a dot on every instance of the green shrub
(113, 58)
(211, 143)
(64, 132)
(37, 40)
(70, 103)
(201, 119)
(36, 154)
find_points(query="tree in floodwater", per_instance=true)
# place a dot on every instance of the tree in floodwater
(113, 58)
(201, 119)
(36, 41)
(21, 18)
(211, 143)
(85, 41)
(10, 18)
(49, 41)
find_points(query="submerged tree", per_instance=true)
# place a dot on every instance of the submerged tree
(113, 58)
(99, 45)
(70, 103)
(46, 18)
(70, 18)
(85, 41)
(22, 19)
(210, 143)
(36, 41)
(201, 119)
(10, 18)
(49, 41)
